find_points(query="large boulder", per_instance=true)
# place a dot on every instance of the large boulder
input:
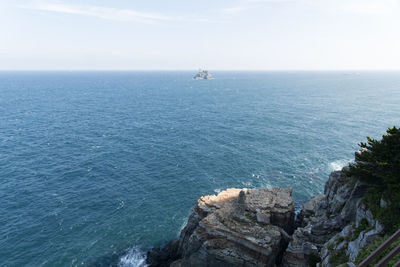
(237, 227)
(255, 227)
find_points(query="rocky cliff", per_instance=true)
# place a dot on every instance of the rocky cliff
(237, 227)
(256, 227)
(334, 226)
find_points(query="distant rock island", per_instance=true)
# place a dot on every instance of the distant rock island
(203, 75)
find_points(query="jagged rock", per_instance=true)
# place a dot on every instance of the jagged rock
(298, 252)
(364, 213)
(255, 227)
(337, 191)
(348, 213)
(263, 218)
(324, 219)
(364, 238)
(237, 227)
(383, 203)
(163, 256)
(327, 224)
(334, 244)
(314, 208)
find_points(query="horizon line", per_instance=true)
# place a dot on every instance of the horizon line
(194, 69)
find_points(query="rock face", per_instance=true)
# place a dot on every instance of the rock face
(328, 225)
(237, 227)
(256, 227)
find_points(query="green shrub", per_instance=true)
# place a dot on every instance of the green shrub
(313, 259)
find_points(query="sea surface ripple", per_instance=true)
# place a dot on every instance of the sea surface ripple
(98, 167)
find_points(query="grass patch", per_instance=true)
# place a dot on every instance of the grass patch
(367, 250)
(361, 227)
(252, 219)
(340, 239)
(390, 215)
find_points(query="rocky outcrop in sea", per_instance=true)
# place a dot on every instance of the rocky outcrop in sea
(257, 227)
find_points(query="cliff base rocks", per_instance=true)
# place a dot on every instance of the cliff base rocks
(256, 227)
(237, 227)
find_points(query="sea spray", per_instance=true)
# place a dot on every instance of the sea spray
(134, 257)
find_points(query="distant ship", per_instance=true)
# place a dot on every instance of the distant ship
(203, 75)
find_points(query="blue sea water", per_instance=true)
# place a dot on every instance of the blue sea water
(98, 167)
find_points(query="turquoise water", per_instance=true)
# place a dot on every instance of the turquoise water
(98, 167)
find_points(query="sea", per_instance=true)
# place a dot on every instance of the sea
(96, 168)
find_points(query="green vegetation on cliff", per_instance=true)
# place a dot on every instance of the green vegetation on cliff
(378, 165)
(367, 250)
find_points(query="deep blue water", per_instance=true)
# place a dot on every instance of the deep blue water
(95, 165)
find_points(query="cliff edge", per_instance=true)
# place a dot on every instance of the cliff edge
(333, 226)
(256, 227)
(237, 227)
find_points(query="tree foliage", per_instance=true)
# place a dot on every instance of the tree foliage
(378, 162)
(378, 165)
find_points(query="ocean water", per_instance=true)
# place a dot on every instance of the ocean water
(98, 167)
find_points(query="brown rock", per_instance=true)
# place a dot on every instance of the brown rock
(237, 227)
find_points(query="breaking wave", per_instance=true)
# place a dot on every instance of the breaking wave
(133, 258)
(338, 164)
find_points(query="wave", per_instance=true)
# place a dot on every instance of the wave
(338, 164)
(134, 257)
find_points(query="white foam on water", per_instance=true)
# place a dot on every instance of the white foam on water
(133, 258)
(121, 204)
(247, 184)
(267, 185)
(338, 164)
(218, 190)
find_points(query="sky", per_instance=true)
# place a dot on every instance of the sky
(187, 35)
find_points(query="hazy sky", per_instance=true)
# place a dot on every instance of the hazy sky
(219, 34)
